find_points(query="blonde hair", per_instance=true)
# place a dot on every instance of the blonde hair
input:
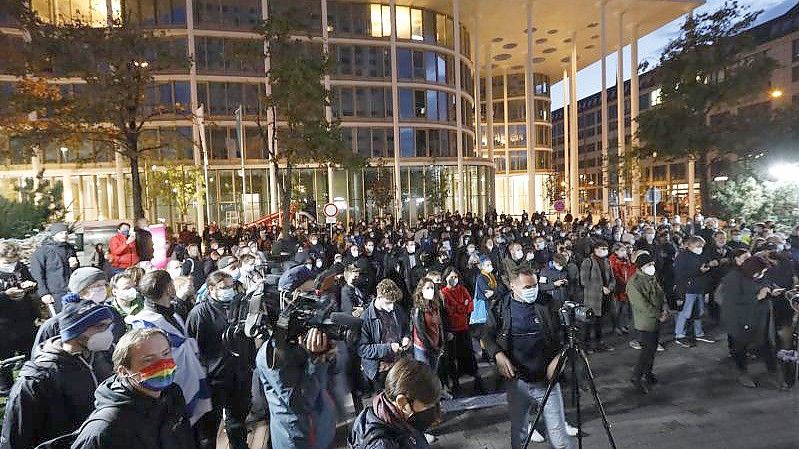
(131, 340)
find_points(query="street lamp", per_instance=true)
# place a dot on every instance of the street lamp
(776, 93)
(783, 172)
(64, 151)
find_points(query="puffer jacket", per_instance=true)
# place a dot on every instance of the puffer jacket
(646, 300)
(52, 396)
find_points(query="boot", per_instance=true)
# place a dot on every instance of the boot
(639, 385)
(746, 380)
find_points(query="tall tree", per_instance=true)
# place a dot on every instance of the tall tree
(710, 68)
(292, 126)
(180, 184)
(38, 203)
(110, 68)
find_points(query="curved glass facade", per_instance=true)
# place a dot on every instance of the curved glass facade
(420, 129)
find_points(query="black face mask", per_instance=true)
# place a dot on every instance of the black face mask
(422, 421)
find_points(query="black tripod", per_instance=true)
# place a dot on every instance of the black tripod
(571, 352)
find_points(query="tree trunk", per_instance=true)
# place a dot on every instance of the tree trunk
(285, 202)
(705, 201)
(133, 157)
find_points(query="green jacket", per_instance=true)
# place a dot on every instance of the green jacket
(135, 306)
(646, 299)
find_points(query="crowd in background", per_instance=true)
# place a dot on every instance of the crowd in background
(449, 292)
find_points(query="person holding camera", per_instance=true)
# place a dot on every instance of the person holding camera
(647, 300)
(400, 414)
(294, 375)
(523, 336)
(384, 334)
(229, 374)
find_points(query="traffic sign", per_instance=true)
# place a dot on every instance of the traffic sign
(330, 220)
(331, 210)
(653, 195)
(560, 205)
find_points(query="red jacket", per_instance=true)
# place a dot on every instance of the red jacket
(459, 306)
(623, 270)
(123, 255)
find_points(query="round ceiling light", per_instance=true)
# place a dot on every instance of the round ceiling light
(510, 45)
(502, 57)
(539, 60)
(549, 50)
(552, 31)
(498, 39)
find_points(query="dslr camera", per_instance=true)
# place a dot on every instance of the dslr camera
(572, 313)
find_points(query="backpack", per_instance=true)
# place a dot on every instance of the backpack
(107, 414)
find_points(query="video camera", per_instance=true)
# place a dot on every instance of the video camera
(572, 313)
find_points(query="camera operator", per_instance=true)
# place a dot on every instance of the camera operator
(294, 376)
(295, 277)
(522, 334)
(229, 375)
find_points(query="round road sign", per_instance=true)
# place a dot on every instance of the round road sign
(331, 210)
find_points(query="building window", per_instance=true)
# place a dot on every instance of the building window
(157, 12)
(228, 56)
(407, 148)
(795, 53)
(243, 14)
(795, 74)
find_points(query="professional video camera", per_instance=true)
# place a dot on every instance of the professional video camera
(572, 313)
(792, 295)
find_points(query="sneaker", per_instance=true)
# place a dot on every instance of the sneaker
(430, 438)
(537, 437)
(705, 339)
(684, 342)
(571, 431)
(746, 381)
(625, 329)
(639, 385)
(446, 395)
(635, 345)
(660, 348)
(602, 347)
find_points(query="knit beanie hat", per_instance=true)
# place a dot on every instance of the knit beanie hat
(84, 277)
(78, 316)
(643, 259)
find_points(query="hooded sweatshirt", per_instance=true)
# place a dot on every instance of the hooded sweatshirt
(136, 420)
(52, 395)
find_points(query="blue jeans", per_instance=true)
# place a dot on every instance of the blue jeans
(302, 414)
(521, 398)
(692, 300)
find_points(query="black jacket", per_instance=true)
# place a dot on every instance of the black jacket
(50, 328)
(144, 244)
(195, 268)
(52, 396)
(137, 420)
(497, 329)
(17, 316)
(207, 323)
(370, 432)
(50, 268)
(689, 278)
(743, 316)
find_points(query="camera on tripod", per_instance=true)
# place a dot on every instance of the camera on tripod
(792, 295)
(572, 313)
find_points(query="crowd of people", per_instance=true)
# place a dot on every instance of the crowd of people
(138, 354)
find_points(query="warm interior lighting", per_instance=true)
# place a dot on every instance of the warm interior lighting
(776, 93)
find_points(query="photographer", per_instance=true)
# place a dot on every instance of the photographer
(522, 335)
(229, 375)
(294, 377)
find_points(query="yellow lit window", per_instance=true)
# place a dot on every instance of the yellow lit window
(386, 21)
(376, 21)
(403, 22)
(416, 25)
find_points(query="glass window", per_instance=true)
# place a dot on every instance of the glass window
(379, 142)
(429, 26)
(516, 110)
(404, 64)
(344, 61)
(406, 100)
(543, 159)
(432, 105)
(376, 20)
(795, 52)
(795, 74)
(416, 25)
(347, 105)
(407, 142)
(441, 68)
(418, 65)
(364, 142)
(217, 104)
(419, 103)
(443, 147)
(434, 143)
(403, 22)
(430, 68)
(543, 136)
(362, 104)
(378, 108)
(421, 143)
(443, 110)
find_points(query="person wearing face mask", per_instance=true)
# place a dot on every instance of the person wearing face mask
(53, 392)
(554, 280)
(408, 259)
(747, 317)
(401, 414)
(647, 242)
(486, 288)
(18, 310)
(158, 291)
(522, 335)
(736, 239)
(514, 262)
(229, 375)
(125, 299)
(648, 302)
(598, 283)
(623, 269)
(541, 254)
(297, 277)
(52, 264)
(85, 283)
(385, 333)
(458, 305)
(693, 283)
(122, 248)
(140, 405)
(427, 329)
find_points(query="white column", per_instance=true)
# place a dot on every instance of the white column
(478, 134)
(91, 197)
(566, 143)
(574, 160)
(636, 174)
(329, 107)
(109, 196)
(121, 194)
(197, 149)
(274, 205)
(36, 167)
(395, 115)
(69, 198)
(462, 204)
(603, 45)
(620, 111)
(529, 79)
(691, 188)
(490, 114)
(507, 139)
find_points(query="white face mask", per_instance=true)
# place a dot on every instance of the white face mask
(128, 294)
(696, 250)
(385, 306)
(174, 273)
(649, 270)
(518, 254)
(97, 295)
(428, 293)
(452, 281)
(557, 267)
(530, 256)
(529, 295)
(649, 237)
(488, 269)
(736, 238)
(540, 245)
(101, 341)
(319, 263)
(601, 253)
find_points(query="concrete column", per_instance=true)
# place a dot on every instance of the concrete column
(81, 200)
(92, 198)
(395, 115)
(691, 189)
(574, 160)
(566, 143)
(122, 207)
(529, 79)
(490, 104)
(69, 199)
(636, 170)
(274, 203)
(109, 199)
(507, 139)
(197, 147)
(329, 107)
(36, 167)
(462, 204)
(478, 134)
(603, 45)
(620, 110)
